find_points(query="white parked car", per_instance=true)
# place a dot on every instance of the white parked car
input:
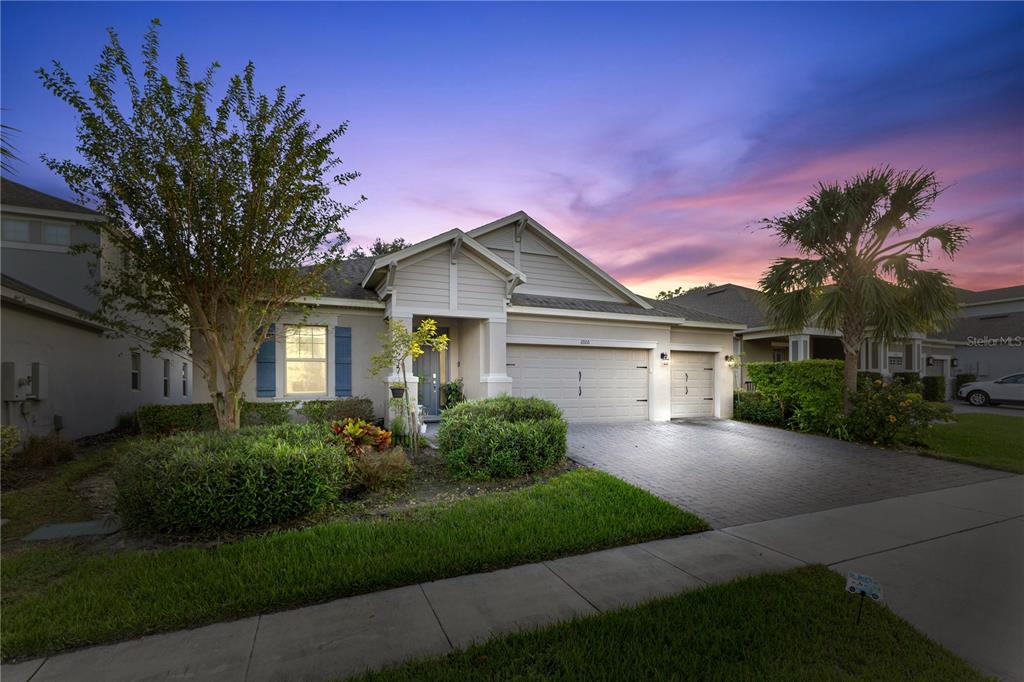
(1009, 389)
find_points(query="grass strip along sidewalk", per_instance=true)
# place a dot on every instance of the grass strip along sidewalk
(57, 598)
(799, 625)
(989, 440)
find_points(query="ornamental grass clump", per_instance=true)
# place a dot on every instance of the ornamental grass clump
(213, 481)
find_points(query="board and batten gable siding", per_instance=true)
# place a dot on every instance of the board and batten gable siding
(425, 281)
(547, 272)
(478, 287)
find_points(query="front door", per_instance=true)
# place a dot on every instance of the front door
(431, 370)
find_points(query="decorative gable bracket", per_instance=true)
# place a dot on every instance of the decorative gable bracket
(455, 247)
(519, 227)
(511, 283)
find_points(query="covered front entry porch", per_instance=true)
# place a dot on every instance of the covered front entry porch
(474, 362)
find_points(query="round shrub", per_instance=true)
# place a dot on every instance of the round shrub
(501, 437)
(225, 481)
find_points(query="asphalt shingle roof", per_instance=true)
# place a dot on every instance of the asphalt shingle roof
(659, 309)
(990, 294)
(16, 194)
(345, 281)
(729, 301)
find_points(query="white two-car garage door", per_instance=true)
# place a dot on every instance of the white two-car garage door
(693, 384)
(589, 384)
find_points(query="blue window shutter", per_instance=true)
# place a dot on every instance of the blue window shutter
(343, 361)
(266, 373)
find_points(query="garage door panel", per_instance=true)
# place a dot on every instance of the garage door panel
(588, 384)
(693, 384)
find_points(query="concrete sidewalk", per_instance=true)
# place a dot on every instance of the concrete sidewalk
(950, 562)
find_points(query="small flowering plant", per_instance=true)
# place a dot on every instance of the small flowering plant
(889, 414)
(356, 436)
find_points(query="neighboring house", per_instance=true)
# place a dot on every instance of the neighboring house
(989, 336)
(60, 374)
(526, 314)
(995, 314)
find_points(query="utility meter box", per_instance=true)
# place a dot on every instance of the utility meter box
(39, 382)
(10, 388)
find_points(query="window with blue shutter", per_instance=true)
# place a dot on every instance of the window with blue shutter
(266, 372)
(343, 361)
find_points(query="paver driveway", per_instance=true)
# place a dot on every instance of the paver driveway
(733, 473)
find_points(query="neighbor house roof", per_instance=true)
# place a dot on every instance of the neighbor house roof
(989, 295)
(15, 194)
(996, 325)
(730, 301)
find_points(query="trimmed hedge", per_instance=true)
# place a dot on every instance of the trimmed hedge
(226, 481)
(501, 437)
(911, 380)
(163, 420)
(756, 408)
(809, 392)
(962, 379)
(338, 410)
(935, 389)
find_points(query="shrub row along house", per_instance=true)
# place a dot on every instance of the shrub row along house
(526, 315)
(985, 341)
(60, 372)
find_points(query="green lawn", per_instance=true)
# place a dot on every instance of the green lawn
(56, 598)
(799, 625)
(988, 440)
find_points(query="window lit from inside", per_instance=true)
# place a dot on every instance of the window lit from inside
(305, 359)
(136, 370)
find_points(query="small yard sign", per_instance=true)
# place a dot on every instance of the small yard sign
(858, 583)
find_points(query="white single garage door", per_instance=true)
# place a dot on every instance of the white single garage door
(693, 384)
(589, 384)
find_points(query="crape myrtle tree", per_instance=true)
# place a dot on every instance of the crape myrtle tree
(219, 213)
(860, 271)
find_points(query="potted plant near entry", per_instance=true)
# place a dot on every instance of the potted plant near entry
(397, 390)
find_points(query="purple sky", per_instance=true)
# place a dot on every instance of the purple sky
(649, 136)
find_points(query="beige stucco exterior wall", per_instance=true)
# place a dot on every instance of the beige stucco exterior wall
(366, 326)
(89, 376)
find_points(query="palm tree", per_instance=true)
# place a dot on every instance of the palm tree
(858, 272)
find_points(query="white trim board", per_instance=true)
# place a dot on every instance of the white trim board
(579, 342)
(595, 315)
(695, 347)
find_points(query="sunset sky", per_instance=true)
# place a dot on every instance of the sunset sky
(651, 137)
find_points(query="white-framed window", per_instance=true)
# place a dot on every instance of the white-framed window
(895, 362)
(305, 359)
(16, 230)
(184, 378)
(167, 378)
(136, 370)
(57, 234)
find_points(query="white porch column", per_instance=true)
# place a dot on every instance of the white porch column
(493, 374)
(799, 347)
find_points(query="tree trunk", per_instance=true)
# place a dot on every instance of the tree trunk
(414, 427)
(851, 359)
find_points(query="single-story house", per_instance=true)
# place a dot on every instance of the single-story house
(60, 372)
(526, 315)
